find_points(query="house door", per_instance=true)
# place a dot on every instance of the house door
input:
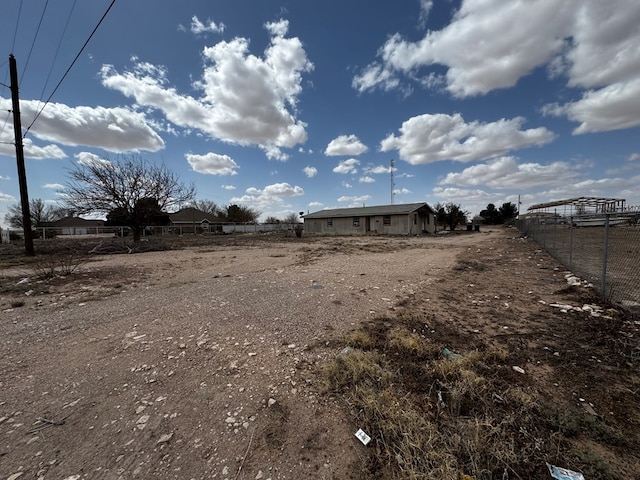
(367, 224)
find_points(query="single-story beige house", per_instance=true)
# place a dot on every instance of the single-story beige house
(189, 220)
(403, 219)
(73, 226)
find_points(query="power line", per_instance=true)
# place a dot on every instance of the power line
(15, 32)
(55, 55)
(2, 66)
(5, 123)
(104, 15)
(35, 37)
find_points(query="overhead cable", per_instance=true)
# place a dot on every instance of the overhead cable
(35, 37)
(4, 125)
(55, 55)
(104, 15)
(15, 32)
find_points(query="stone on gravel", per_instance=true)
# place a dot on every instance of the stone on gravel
(164, 438)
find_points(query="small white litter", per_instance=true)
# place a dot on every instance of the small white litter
(363, 437)
(564, 474)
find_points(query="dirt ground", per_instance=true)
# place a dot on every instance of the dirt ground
(203, 362)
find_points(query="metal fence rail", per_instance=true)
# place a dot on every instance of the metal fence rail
(606, 252)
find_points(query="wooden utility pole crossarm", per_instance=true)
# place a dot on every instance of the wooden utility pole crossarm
(22, 173)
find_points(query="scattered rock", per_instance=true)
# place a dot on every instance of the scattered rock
(165, 438)
(142, 422)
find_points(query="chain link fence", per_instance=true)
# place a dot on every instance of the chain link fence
(605, 251)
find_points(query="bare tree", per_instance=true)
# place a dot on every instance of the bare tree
(40, 211)
(125, 185)
(292, 219)
(208, 206)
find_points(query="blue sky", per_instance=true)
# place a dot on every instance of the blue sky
(298, 106)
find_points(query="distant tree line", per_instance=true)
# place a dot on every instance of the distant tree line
(41, 213)
(231, 213)
(497, 216)
(450, 214)
(129, 191)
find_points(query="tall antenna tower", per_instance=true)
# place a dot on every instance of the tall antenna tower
(393, 184)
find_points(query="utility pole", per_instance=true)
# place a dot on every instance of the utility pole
(22, 173)
(393, 184)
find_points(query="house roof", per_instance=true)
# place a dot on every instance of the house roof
(192, 215)
(73, 222)
(401, 209)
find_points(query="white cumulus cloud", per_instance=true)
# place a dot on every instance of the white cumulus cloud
(88, 158)
(507, 173)
(269, 196)
(613, 107)
(431, 138)
(198, 27)
(345, 145)
(378, 169)
(5, 197)
(488, 45)
(245, 99)
(354, 199)
(348, 166)
(212, 164)
(113, 129)
(310, 171)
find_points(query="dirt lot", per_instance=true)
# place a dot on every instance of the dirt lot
(210, 361)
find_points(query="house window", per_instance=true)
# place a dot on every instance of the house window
(428, 219)
(329, 222)
(415, 218)
(386, 220)
(356, 221)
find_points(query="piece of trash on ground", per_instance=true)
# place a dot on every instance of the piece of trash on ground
(363, 437)
(564, 474)
(449, 354)
(588, 408)
(345, 351)
(518, 369)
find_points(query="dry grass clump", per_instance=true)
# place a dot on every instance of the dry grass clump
(432, 416)
(463, 265)
(405, 342)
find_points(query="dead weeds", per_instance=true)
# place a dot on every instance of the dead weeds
(435, 416)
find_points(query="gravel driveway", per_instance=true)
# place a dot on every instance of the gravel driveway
(198, 363)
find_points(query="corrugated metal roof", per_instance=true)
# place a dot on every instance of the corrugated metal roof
(400, 209)
(583, 202)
